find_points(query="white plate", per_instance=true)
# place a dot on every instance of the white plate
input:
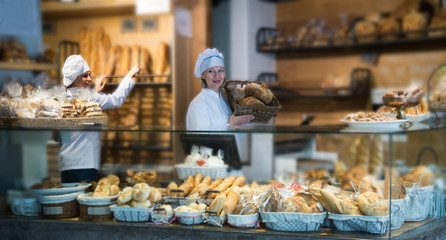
(384, 125)
(68, 188)
(411, 118)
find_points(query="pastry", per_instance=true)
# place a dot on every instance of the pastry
(389, 28)
(140, 191)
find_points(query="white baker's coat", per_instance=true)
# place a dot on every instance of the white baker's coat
(81, 149)
(208, 111)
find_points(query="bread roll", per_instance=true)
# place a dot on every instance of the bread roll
(167, 208)
(389, 28)
(373, 17)
(251, 101)
(125, 196)
(114, 190)
(414, 21)
(155, 195)
(438, 21)
(140, 191)
(419, 175)
(230, 202)
(365, 31)
(260, 91)
(141, 204)
(353, 176)
(372, 204)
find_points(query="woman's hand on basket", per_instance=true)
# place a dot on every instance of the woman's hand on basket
(235, 122)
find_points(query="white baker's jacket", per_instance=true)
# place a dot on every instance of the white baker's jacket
(81, 149)
(208, 111)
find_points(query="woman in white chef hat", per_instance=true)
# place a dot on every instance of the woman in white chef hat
(80, 151)
(209, 110)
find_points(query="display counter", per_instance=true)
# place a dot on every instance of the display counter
(401, 146)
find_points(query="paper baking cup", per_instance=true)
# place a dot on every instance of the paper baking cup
(130, 214)
(214, 220)
(350, 223)
(293, 222)
(398, 212)
(184, 171)
(419, 203)
(243, 221)
(190, 218)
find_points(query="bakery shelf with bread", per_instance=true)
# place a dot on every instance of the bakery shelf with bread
(252, 98)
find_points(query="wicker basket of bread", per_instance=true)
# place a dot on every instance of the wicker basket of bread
(252, 98)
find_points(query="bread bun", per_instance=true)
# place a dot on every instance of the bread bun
(365, 30)
(372, 204)
(420, 174)
(414, 21)
(141, 191)
(124, 197)
(167, 208)
(251, 101)
(387, 26)
(155, 195)
(141, 204)
(260, 91)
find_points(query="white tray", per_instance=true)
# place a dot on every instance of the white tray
(68, 188)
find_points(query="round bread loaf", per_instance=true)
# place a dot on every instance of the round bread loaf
(260, 91)
(140, 204)
(251, 101)
(372, 204)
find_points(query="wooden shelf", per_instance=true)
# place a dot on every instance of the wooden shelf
(84, 8)
(27, 66)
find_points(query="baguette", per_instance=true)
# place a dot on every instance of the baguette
(215, 183)
(207, 180)
(161, 60)
(225, 184)
(135, 56)
(238, 181)
(217, 204)
(113, 55)
(171, 186)
(125, 196)
(231, 202)
(186, 187)
(190, 179)
(198, 178)
(145, 62)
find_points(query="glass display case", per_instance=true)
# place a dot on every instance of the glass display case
(371, 182)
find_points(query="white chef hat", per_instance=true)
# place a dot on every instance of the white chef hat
(74, 66)
(208, 58)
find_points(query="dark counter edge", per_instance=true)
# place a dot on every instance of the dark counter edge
(19, 227)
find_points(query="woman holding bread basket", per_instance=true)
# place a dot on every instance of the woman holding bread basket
(209, 110)
(80, 151)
